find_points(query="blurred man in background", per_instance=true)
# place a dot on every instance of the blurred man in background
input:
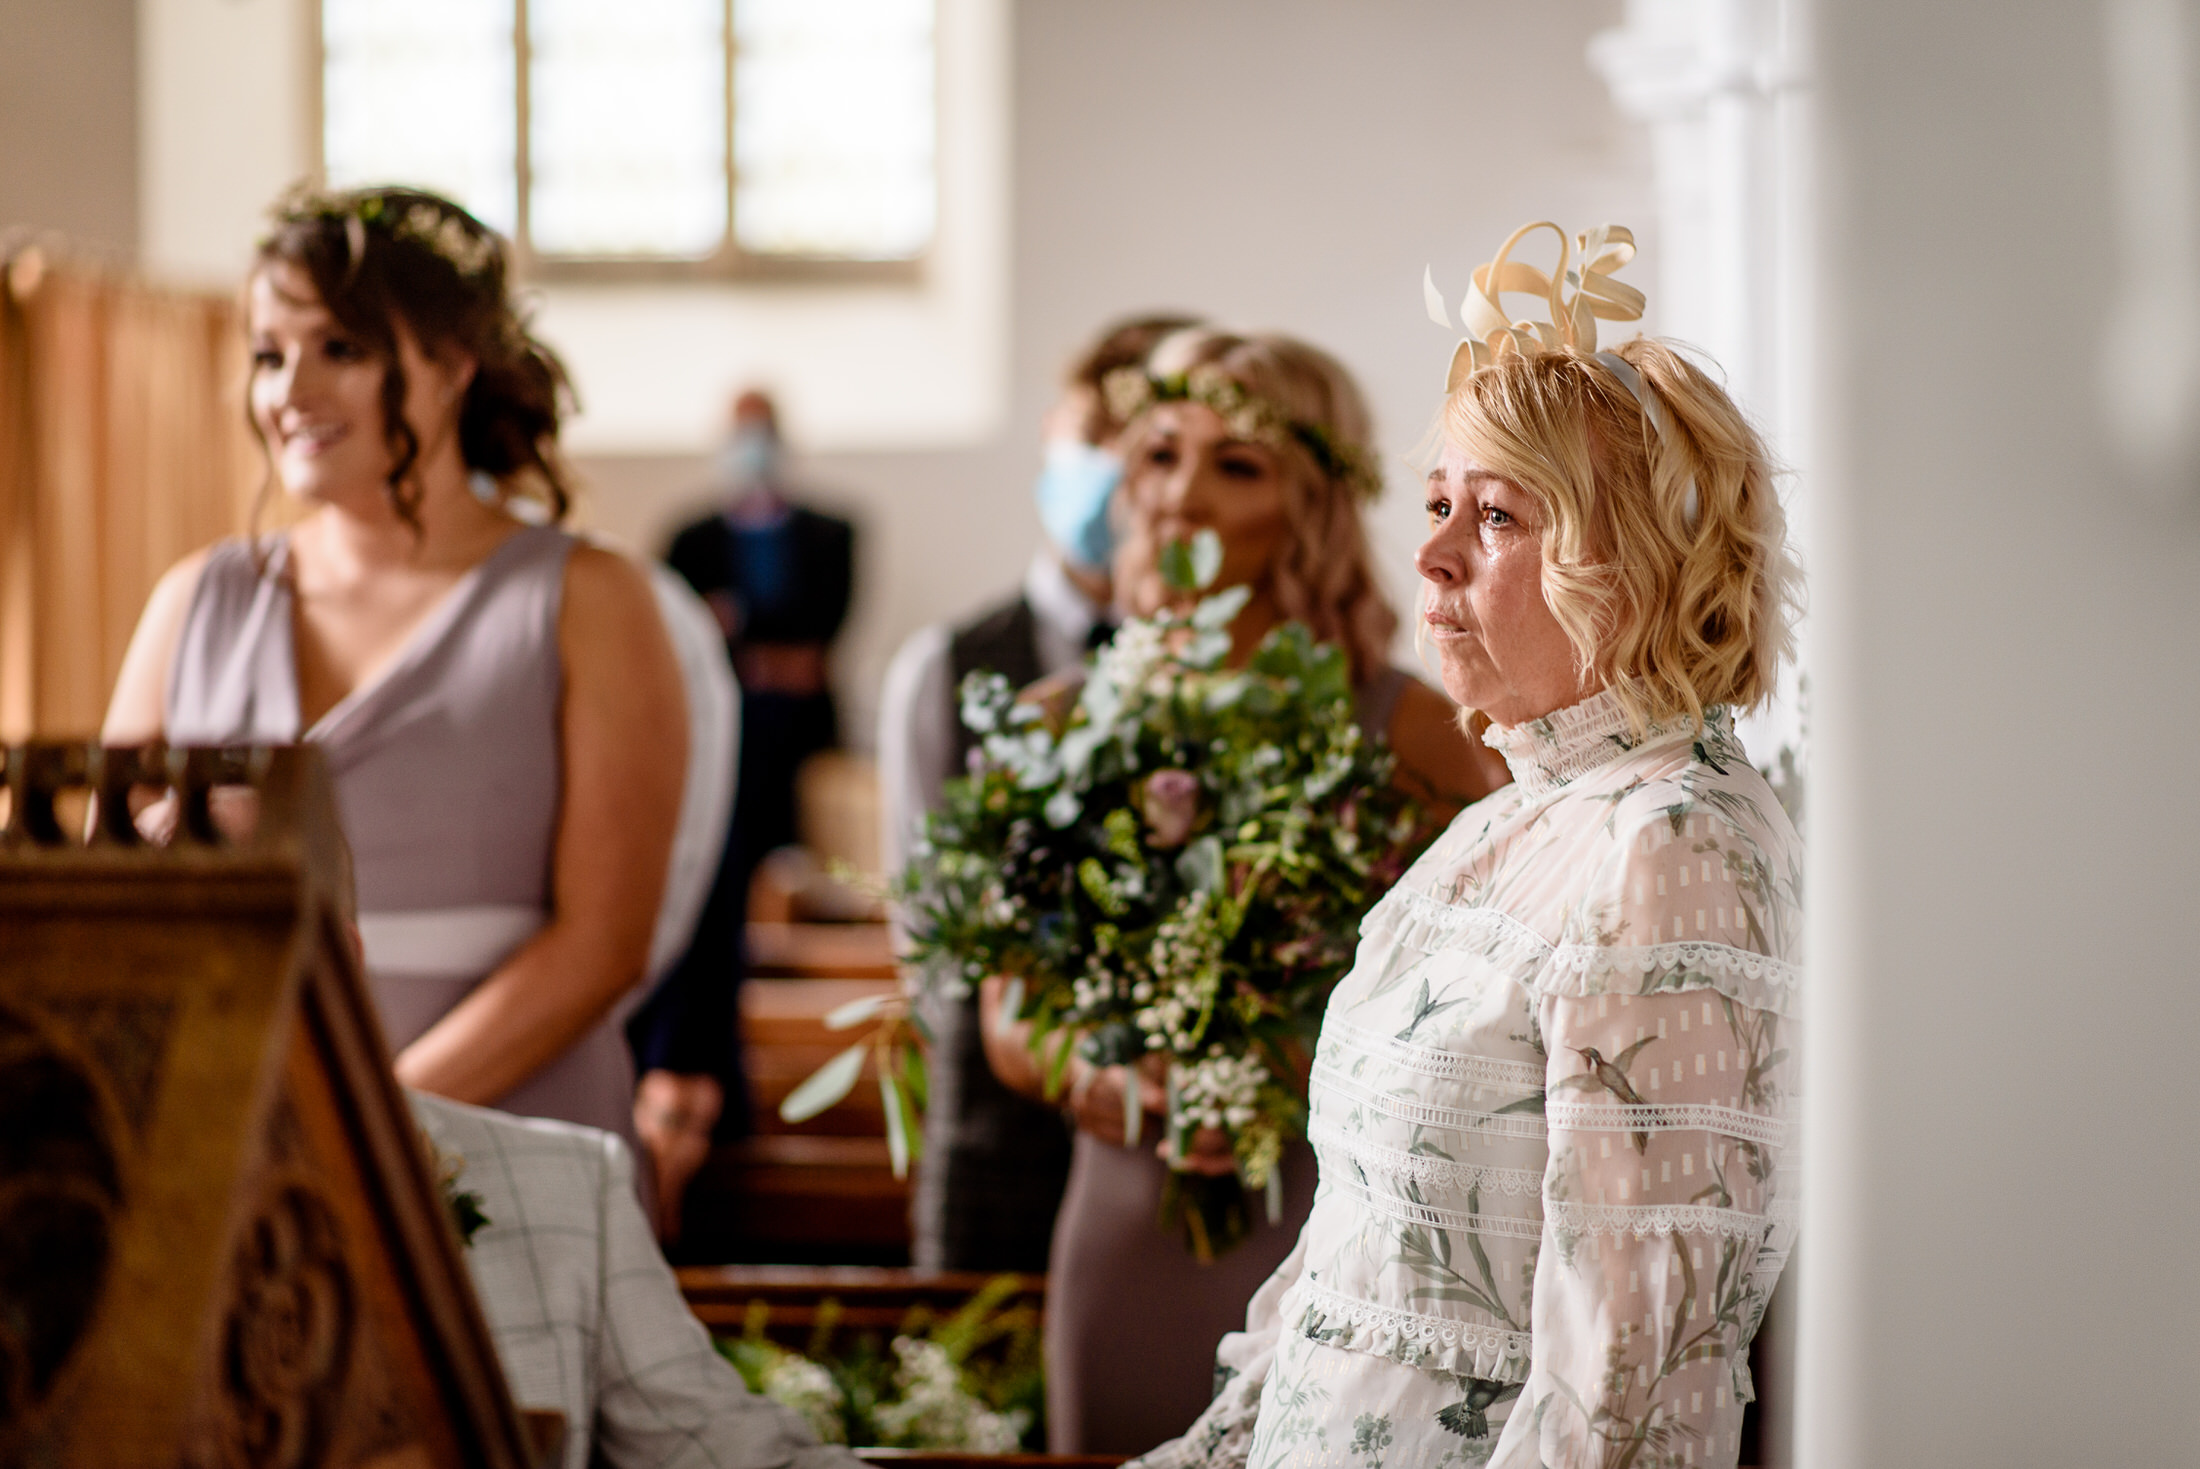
(777, 575)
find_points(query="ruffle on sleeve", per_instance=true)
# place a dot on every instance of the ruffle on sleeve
(1580, 971)
(1430, 1343)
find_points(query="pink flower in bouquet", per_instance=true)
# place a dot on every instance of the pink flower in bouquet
(1170, 804)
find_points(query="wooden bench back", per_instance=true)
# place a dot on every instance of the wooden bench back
(219, 1243)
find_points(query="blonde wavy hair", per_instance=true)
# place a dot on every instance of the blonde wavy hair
(1324, 577)
(1672, 614)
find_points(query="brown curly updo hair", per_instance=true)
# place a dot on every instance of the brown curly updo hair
(384, 255)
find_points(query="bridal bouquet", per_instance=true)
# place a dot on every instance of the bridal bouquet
(1170, 871)
(1172, 867)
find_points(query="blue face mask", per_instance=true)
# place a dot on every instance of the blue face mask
(1075, 484)
(750, 457)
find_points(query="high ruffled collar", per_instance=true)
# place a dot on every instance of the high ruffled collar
(1566, 744)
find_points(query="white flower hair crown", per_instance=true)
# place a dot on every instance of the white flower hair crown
(1131, 391)
(403, 215)
(1586, 263)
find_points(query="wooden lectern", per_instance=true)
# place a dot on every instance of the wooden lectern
(219, 1241)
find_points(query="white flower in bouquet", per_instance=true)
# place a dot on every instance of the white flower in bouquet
(936, 1411)
(801, 1384)
(1131, 658)
(1176, 864)
(1221, 1090)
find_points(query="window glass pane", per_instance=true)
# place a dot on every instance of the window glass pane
(627, 127)
(420, 92)
(833, 127)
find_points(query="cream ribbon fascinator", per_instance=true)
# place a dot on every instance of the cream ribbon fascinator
(1586, 265)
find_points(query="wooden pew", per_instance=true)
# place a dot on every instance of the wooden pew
(931, 1459)
(823, 1192)
(219, 1243)
(866, 1298)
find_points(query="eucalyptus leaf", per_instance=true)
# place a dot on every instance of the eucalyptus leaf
(1199, 866)
(824, 1087)
(1207, 649)
(1057, 1068)
(897, 1123)
(1220, 610)
(1226, 692)
(1176, 567)
(1206, 558)
(1134, 1116)
(856, 1011)
(916, 1078)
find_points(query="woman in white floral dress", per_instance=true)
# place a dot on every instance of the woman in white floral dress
(1554, 1101)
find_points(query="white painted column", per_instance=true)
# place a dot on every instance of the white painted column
(1720, 86)
(2002, 1175)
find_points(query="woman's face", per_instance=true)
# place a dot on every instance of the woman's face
(1187, 475)
(1501, 650)
(317, 392)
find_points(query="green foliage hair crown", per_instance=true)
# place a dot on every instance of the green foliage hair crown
(1131, 391)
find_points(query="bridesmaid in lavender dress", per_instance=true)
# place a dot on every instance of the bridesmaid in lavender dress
(497, 700)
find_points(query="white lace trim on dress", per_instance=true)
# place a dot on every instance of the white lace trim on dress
(1645, 1220)
(1587, 970)
(1341, 1036)
(1771, 1132)
(1331, 1140)
(1328, 1078)
(1463, 1348)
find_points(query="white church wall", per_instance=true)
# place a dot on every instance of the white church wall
(68, 122)
(1998, 1263)
(1288, 164)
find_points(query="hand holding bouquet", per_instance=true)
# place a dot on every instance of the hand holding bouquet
(1173, 866)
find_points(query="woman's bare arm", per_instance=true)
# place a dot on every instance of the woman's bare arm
(624, 727)
(137, 711)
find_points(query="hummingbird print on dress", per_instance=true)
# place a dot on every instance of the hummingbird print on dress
(1611, 1076)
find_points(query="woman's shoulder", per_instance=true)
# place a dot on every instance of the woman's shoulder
(1701, 868)
(602, 576)
(610, 613)
(1702, 787)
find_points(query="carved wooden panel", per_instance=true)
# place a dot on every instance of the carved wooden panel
(219, 1245)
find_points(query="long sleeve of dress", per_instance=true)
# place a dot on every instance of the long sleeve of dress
(1666, 1211)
